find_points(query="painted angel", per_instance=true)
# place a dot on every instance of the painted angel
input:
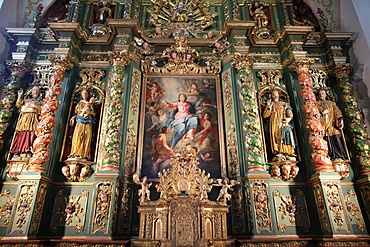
(224, 195)
(144, 192)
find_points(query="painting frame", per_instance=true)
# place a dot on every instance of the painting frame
(212, 161)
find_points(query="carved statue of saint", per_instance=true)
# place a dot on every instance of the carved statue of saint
(332, 122)
(180, 14)
(258, 14)
(280, 115)
(27, 124)
(104, 12)
(82, 134)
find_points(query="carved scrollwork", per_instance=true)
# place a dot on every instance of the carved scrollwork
(194, 16)
(353, 209)
(261, 206)
(69, 210)
(181, 59)
(184, 177)
(336, 206)
(6, 207)
(291, 210)
(102, 206)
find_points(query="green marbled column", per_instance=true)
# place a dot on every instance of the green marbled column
(356, 125)
(18, 69)
(252, 129)
(114, 107)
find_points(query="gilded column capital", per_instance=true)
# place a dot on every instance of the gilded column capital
(60, 62)
(119, 58)
(301, 64)
(18, 67)
(242, 60)
(343, 69)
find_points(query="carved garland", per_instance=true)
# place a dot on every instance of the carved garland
(261, 206)
(130, 149)
(356, 125)
(250, 115)
(6, 208)
(102, 207)
(114, 117)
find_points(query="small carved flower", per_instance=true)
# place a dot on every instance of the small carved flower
(291, 208)
(70, 209)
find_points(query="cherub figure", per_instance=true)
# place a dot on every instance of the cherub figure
(144, 192)
(224, 194)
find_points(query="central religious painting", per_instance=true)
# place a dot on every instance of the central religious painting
(182, 113)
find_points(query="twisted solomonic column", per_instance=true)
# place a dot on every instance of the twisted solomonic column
(113, 119)
(356, 124)
(252, 128)
(47, 118)
(316, 139)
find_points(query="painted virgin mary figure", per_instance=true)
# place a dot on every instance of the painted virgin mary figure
(185, 122)
(82, 134)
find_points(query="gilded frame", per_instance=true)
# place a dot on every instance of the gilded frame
(170, 88)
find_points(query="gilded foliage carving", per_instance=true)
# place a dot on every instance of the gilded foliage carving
(38, 208)
(6, 207)
(236, 208)
(104, 192)
(181, 59)
(135, 92)
(321, 207)
(232, 150)
(126, 207)
(176, 14)
(353, 210)
(184, 176)
(130, 149)
(336, 206)
(291, 210)
(69, 210)
(228, 93)
(24, 206)
(261, 206)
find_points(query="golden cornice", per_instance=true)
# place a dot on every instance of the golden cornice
(79, 32)
(238, 25)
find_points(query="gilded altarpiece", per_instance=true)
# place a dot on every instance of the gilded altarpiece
(179, 95)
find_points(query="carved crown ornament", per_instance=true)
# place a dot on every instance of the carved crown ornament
(193, 16)
(185, 178)
(181, 59)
